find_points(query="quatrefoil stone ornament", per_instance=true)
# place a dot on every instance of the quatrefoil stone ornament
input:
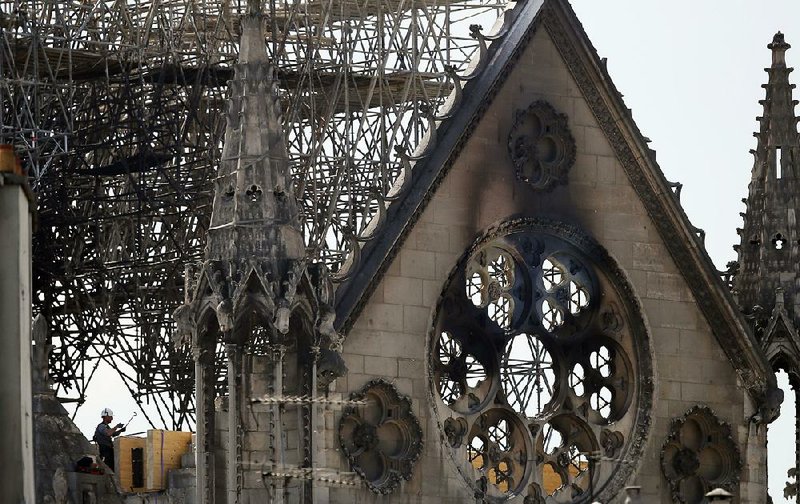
(382, 439)
(541, 146)
(700, 454)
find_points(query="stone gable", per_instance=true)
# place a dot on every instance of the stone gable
(389, 337)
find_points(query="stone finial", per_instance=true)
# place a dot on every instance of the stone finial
(778, 47)
(780, 298)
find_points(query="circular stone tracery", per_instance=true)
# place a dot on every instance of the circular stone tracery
(528, 398)
(490, 285)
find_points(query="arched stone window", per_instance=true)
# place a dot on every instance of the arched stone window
(540, 366)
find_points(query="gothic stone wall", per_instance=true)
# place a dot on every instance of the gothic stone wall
(389, 338)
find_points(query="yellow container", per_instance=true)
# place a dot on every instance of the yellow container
(8, 160)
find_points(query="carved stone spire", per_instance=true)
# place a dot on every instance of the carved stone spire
(255, 255)
(255, 212)
(769, 254)
(256, 284)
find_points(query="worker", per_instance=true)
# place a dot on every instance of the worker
(103, 437)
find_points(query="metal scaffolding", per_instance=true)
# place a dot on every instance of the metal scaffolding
(115, 107)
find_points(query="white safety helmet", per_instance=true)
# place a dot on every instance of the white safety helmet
(106, 412)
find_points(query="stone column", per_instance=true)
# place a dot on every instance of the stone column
(796, 434)
(16, 427)
(234, 483)
(204, 411)
(279, 460)
(319, 491)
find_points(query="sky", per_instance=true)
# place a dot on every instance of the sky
(691, 70)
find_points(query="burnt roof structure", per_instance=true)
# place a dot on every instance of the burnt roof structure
(117, 110)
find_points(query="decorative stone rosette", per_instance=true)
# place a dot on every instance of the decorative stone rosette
(540, 367)
(541, 146)
(382, 440)
(700, 455)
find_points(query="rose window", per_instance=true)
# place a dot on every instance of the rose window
(540, 367)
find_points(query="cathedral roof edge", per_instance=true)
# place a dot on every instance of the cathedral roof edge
(451, 135)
